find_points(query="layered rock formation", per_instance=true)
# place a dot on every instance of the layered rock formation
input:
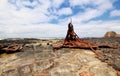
(111, 34)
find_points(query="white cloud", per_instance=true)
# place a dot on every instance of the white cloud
(91, 29)
(23, 15)
(65, 11)
(78, 2)
(87, 15)
(96, 28)
(57, 3)
(19, 12)
(37, 31)
(17, 20)
(97, 9)
(115, 13)
(98, 3)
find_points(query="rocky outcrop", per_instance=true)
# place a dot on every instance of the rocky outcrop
(111, 34)
(39, 59)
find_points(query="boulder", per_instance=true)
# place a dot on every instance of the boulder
(111, 34)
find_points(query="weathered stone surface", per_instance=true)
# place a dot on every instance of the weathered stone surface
(111, 34)
(77, 62)
(43, 55)
(28, 48)
(42, 60)
(11, 72)
(40, 66)
(65, 70)
(85, 74)
(102, 70)
(25, 71)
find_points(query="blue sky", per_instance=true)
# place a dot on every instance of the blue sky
(49, 18)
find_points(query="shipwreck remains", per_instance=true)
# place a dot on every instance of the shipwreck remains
(10, 48)
(73, 41)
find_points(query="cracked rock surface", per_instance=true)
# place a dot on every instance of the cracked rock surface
(39, 59)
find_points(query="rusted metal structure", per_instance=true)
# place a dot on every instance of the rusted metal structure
(10, 48)
(106, 45)
(73, 41)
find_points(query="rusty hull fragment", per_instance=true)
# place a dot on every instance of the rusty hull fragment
(73, 41)
(10, 48)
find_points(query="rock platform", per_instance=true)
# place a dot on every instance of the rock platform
(39, 59)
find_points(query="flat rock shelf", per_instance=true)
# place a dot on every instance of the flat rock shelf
(38, 58)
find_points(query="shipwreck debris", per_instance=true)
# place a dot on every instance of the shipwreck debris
(10, 48)
(106, 45)
(73, 41)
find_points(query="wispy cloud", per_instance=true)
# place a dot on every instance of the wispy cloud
(115, 13)
(65, 11)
